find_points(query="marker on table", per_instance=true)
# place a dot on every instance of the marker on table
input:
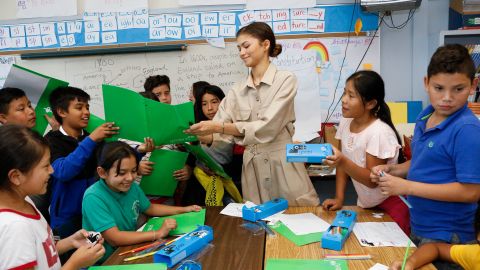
(404, 200)
(348, 256)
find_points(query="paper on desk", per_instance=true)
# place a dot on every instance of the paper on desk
(235, 209)
(379, 266)
(380, 234)
(298, 240)
(305, 223)
(287, 264)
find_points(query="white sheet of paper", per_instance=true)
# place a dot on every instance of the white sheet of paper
(210, 2)
(273, 4)
(235, 209)
(380, 234)
(218, 42)
(52, 8)
(379, 266)
(120, 5)
(304, 223)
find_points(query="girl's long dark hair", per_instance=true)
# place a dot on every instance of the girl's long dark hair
(115, 151)
(208, 89)
(370, 86)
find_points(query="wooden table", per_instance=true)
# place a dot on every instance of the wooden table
(280, 247)
(233, 246)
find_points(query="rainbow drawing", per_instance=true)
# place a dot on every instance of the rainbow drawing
(323, 59)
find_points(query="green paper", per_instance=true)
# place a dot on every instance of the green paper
(166, 123)
(127, 109)
(32, 86)
(161, 182)
(139, 117)
(146, 266)
(94, 122)
(288, 264)
(207, 160)
(298, 240)
(186, 222)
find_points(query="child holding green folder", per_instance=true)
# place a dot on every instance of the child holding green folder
(113, 204)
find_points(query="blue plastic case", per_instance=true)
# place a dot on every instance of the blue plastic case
(264, 210)
(185, 246)
(312, 153)
(338, 232)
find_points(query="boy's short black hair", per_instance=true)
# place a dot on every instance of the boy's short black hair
(155, 81)
(7, 95)
(61, 97)
(149, 95)
(451, 58)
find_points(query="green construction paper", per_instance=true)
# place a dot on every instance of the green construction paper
(127, 109)
(161, 182)
(94, 122)
(43, 104)
(146, 266)
(166, 123)
(186, 222)
(298, 240)
(288, 264)
(203, 157)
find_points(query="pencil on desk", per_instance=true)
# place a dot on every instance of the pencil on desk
(139, 248)
(348, 256)
(139, 256)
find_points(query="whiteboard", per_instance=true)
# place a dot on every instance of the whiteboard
(317, 70)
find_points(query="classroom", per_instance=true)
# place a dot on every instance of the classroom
(239, 134)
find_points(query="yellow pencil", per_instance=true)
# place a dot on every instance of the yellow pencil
(139, 256)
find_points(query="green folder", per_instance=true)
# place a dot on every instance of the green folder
(207, 160)
(161, 182)
(166, 123)
(186, 222)
(139, 117)
(145, 266)
(288, 264)
(298, 240)
(94, 122)
(38, 88)
(127, 109)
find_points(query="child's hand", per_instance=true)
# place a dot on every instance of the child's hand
(52, 122)
(397, 265)
(78, 239)
(192, 208)
(145, 167)
(332, 204)
(376, 171)
(392, 185)
(106, 130)
(85, 256)
(183, 174)
(147, 146)
(168, 225)
(335, 159)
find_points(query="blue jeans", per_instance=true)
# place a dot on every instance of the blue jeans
(440, 265)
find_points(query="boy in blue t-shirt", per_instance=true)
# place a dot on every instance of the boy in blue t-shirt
(72, 157)
(443, 178)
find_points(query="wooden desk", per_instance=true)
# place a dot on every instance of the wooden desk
(280, 247)
(234, 247)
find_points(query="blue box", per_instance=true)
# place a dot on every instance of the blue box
(312, 153)
(184, 246)
(338, 232)
(264, 210)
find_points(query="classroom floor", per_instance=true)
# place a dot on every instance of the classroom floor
(325, 187)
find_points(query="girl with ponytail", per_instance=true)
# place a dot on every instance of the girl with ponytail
(367, 139)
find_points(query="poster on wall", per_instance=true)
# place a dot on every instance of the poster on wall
(119, 6)
(51, 8)
(210, 2)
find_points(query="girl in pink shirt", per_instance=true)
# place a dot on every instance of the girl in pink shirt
(367, 139)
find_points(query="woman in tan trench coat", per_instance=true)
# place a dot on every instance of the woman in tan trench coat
(259, 114)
